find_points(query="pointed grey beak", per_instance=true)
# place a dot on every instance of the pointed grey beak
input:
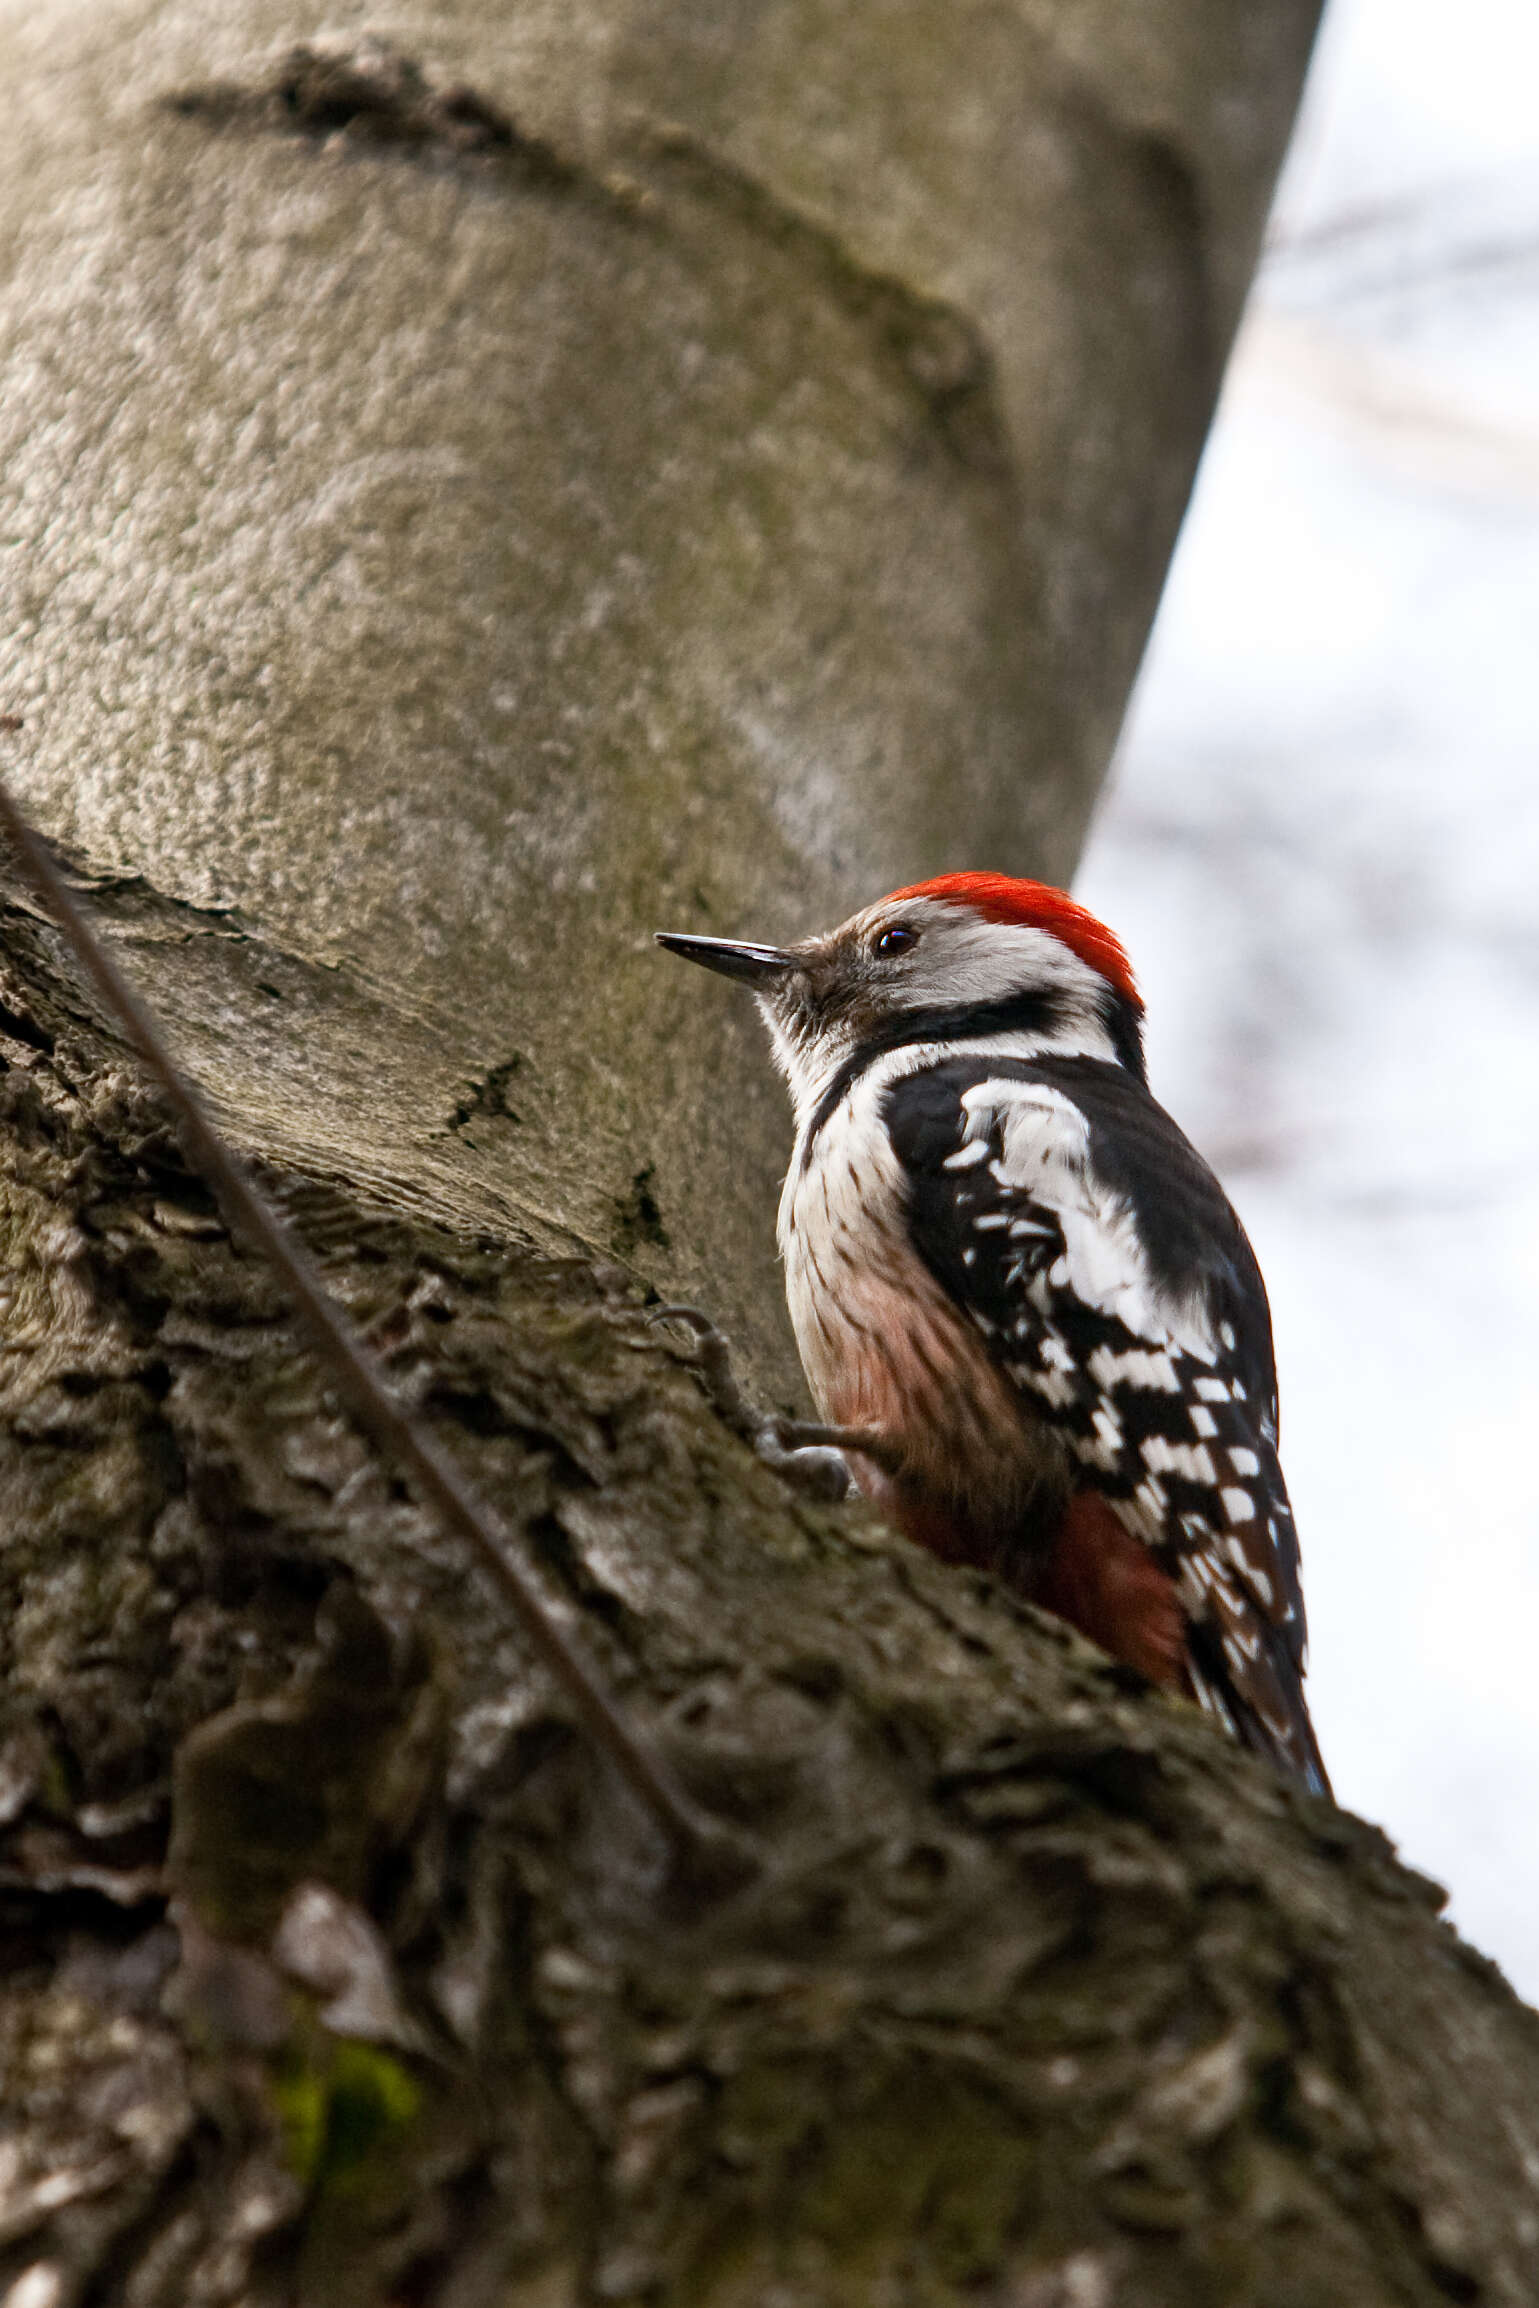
(756, 964)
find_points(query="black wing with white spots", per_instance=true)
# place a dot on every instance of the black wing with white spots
(1099, 1256)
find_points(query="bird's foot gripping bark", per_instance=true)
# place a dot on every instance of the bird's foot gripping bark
(810, 1457)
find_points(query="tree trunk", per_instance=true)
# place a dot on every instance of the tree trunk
(466, 502)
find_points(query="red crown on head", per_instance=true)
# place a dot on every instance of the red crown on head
(1036, 906)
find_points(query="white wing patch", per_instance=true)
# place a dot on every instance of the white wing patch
(1044, 1144)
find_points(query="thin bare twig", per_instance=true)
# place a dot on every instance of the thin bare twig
(374, 1403)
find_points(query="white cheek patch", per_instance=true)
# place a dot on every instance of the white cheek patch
(961, 962)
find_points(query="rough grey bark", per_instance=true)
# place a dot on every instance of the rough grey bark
(1044, 1995)
(676, 463)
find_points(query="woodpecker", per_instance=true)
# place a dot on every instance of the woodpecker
(1024, 1305)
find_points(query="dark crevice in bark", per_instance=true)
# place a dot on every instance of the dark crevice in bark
(939, 350)
(366, 92)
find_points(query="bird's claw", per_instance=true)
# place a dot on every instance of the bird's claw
(713, 1363)
(807, 1456)
(817, 1468)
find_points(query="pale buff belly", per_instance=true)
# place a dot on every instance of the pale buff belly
(980, 1476)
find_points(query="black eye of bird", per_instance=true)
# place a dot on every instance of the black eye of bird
(897, 940)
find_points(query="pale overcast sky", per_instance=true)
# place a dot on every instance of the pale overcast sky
(1322, 846)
